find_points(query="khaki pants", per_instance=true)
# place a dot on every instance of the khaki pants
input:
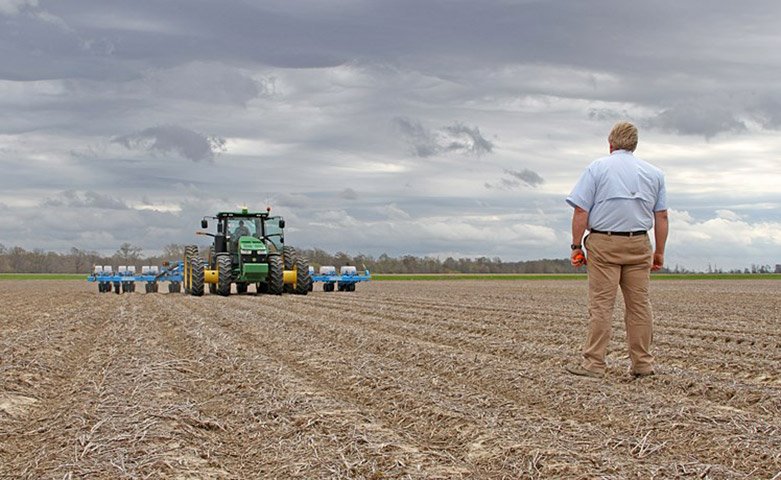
(613, 262)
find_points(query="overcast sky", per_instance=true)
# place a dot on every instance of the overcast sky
(442, 128)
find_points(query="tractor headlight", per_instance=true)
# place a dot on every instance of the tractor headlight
(246, 252)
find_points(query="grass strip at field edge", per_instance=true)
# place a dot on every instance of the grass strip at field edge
(564, 276)
(458, 276)
(43, 276)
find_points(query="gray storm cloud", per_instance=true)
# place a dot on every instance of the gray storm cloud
(707, 120)
(13, 7)
(452, 138)
(517, 178)
(173, 139)
(86, 199)
(330, 108)
(348, 194)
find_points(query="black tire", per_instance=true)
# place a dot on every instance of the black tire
(302, 277)
(224, 275)
(295, 261)
(190, 252)
(212, 263)
(352, 287)
(146, 288)
(289, 258)
(275, 280)
(117, 288)
(241, 287)
(261, 287)
(328, 287)
(196, 270)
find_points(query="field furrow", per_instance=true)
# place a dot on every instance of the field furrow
(419, 380)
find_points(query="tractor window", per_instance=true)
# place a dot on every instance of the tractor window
(274, 232)
(240, 227)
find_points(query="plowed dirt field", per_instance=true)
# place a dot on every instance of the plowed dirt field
(458, 379)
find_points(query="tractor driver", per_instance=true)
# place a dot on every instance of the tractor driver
(241, 231)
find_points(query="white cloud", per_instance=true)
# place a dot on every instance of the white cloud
(724, 240)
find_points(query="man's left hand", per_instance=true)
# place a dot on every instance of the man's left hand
(577, 258)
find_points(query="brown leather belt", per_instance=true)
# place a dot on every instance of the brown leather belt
(621, 234)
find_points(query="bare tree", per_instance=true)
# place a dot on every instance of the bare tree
(128, 253)
(173, 251)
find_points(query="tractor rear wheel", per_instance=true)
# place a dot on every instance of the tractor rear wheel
(303, 279)
(293, 260)
(190, 251)
(289, 257)
(196, 271)
(275, 279)
(224, 275)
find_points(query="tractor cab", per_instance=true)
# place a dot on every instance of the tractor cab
(245, 230)
(249, 248)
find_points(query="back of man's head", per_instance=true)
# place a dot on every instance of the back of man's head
(623, 136)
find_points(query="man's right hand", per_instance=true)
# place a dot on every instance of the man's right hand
(658, 262)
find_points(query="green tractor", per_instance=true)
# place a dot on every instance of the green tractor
(248, 248)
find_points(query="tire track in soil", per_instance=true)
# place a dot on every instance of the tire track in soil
(276, 407)
(45, 360)
(509, 375)
(444, 464)
(512, 343)
(544, 324)
(103, 421)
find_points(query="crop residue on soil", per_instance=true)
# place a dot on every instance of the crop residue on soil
(454, 379)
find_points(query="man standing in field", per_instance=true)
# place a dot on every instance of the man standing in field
(619, 198)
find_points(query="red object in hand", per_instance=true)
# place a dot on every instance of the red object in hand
(579, 260)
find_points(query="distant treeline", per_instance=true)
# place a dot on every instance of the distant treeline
(19, 260)
(413, 264)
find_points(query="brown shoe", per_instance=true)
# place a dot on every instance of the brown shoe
(582, 372)
(643, 374)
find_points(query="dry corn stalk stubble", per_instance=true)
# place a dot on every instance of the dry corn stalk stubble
(395, 380)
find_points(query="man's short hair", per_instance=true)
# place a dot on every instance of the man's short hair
(623, 136)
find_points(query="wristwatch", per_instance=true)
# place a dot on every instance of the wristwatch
(576, 247)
